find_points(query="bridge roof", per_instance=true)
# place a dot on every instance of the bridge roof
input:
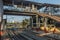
(26, 3)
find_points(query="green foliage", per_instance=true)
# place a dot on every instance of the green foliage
(25, 22)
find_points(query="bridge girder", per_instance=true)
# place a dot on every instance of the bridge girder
(29, 3)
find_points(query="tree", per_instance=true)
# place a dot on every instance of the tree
(25, 23)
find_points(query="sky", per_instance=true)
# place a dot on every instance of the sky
(11, 18)
(47, 1)
(20, 18)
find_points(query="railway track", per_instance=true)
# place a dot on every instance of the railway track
(22, 36)
(26, 35)
(13, 36)
(31, 34)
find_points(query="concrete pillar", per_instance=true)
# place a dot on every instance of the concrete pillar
(1, 13)
(4, 24)
(31, 21)
(37, 23)
(33, 7)
(45, 23)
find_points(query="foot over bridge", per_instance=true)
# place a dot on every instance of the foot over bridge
(56, 18)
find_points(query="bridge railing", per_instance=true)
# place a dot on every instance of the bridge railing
(12, 8)
(26, 9)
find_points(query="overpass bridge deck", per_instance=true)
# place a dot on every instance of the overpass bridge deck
(10, 12)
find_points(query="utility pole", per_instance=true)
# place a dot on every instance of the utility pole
(1, 14)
